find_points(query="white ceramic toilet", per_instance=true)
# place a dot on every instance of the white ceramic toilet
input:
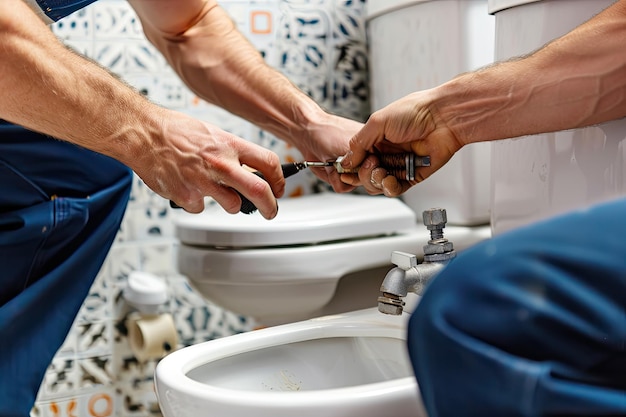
(323, 254)
(349, 365)
(324, 258)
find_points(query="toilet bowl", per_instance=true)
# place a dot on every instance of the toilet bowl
(353, 364)
(323, 254)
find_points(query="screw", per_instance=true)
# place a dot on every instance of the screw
(435, 220)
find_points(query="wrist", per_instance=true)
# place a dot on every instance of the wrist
(139, 126)
(308, 120)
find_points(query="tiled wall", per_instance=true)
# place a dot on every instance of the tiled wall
(320, 46)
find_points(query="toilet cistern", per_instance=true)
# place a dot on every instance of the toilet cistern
(411, 276)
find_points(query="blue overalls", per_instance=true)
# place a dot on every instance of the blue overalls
(60, 209)
(530, 323)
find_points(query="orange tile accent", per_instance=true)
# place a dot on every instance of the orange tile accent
(260, 22)
(108, 410)
(71, 408)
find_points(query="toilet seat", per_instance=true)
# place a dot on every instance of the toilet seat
(311, 219)
(290, 268)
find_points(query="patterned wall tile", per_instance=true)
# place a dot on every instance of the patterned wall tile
(142, 57)
(149, 221)
(115, 20)
(67, 407)
(97, 305)
(139, 401)
(111, 55)
(78, 26)
(182, 294)
(60, 380)
(96, 372)
(101, 403)
(94, 338)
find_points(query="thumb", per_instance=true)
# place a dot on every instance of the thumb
(361, 144)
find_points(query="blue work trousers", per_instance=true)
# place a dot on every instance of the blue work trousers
(530, 323)
(60, 209)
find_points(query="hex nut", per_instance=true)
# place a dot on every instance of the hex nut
(434, 218)
(389, 309)
(440, 257)
(433, 248)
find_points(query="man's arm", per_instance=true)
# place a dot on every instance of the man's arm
(47, 88)
(202, 44)
(574, 81)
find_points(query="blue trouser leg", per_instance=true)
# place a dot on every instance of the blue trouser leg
(60, 209)
(529, 323)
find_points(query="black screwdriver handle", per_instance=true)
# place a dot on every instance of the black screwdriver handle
(247, 206)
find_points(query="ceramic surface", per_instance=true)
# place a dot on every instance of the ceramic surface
(354, 364)
(538, 176)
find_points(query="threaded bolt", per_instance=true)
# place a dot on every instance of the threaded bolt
(435, 220)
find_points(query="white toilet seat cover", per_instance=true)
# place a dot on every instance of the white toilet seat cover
(310, 219)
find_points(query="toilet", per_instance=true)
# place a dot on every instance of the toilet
(350, 365)
(312, 278)
(323, 254)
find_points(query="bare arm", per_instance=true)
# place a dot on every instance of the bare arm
(217, 62)
(47, 88)
(575, 81)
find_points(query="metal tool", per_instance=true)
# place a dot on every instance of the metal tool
(400, 165)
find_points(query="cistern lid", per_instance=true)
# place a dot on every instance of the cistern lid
(310, 219)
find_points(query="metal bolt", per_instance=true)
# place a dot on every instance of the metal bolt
(435, 220)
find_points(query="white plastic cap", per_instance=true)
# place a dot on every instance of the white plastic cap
(145, 291)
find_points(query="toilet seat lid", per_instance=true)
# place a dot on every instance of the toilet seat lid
(310, 219)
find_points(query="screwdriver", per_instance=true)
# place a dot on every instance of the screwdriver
(289, 169)
(400, 165)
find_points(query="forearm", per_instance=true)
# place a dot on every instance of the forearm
(47, 88)
(222, 67)
(575, 81)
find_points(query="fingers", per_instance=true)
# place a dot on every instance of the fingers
(267, 163)
(251, 187)
(225, 179)
(261, 188)
(376, 179)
